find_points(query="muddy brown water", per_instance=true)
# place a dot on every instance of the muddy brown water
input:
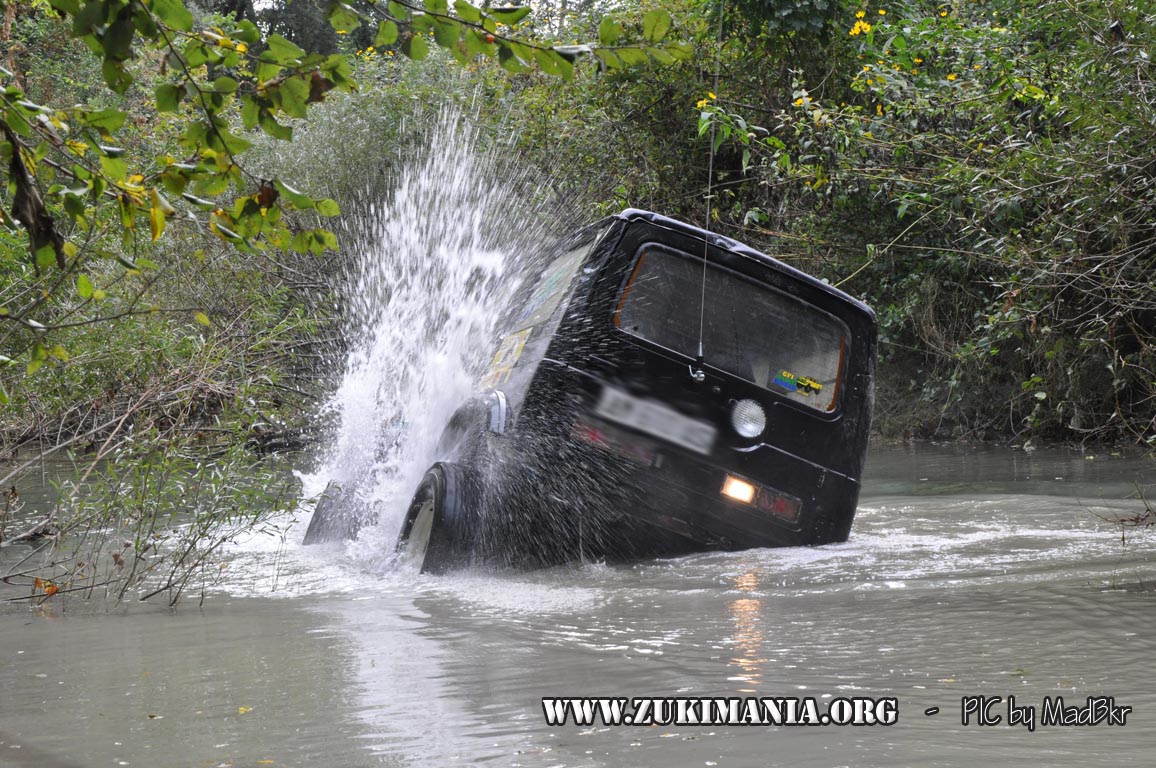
(969, 573)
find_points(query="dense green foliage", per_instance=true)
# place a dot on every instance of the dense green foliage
(977, 172)
(165, 289)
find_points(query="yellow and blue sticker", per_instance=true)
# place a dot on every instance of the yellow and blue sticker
(803, 385)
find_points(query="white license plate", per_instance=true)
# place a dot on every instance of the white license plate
(656, 419)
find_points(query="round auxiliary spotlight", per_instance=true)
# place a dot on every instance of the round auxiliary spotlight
(748, 418)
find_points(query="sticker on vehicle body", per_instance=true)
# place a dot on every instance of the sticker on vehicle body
(550, 289)
(787, 381)
(804, 385)
(505, 359)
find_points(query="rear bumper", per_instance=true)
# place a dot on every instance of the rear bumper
(627, 496)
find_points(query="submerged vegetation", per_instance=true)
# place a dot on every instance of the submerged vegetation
(173, 240)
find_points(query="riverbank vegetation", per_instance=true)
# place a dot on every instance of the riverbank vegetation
(176, 174)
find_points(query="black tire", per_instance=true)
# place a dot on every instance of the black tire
(440, 527)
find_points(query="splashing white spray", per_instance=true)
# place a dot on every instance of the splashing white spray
(427, 289)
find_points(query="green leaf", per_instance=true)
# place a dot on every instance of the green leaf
(522, 51)
(294, 92)
(509, 15)
(386, 34)
(679, 50)
(510, 62)
(415, 47)
(609, 31)
(295, 198)
(117, 39)
(447, 32)
(108, 120)
(168, 97)
(115, 76)
(328, 208)
(247, 32)
(174, 14)
(282, 51)
(267, 70)
(343, 18)
(631, 56)
(71, 7)
(660, 55)
(422, 22)
(250, 112)
(467, 12)
(552, 63)
(225, 84)
(270, 126)
(202, 318)
(45, 256)
(83, 286)
(655, 25)
(609, 58)
(440, 7)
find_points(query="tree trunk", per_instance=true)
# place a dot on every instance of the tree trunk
(6, 39)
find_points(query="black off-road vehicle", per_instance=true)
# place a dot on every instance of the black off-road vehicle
(660, 390)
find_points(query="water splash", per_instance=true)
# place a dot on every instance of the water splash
(441, 254)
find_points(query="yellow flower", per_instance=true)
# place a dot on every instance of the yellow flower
(860, 14)
(943, 13)
(879, 109)
(882, 12)
(952, 76)
(866, 67)
(702, 103)
(977, 66)
(917, 60)
(711, 95)
(799, 102)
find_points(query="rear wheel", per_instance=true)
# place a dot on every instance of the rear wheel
(440, 526)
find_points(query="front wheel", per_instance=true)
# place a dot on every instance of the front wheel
(440, 527)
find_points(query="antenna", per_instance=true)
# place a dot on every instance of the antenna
(696, 371)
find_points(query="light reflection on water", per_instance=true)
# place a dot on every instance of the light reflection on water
(965, 590)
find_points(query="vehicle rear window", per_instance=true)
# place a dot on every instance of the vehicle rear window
(750, 329)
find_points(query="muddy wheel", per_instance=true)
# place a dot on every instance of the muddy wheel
(440, 526)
